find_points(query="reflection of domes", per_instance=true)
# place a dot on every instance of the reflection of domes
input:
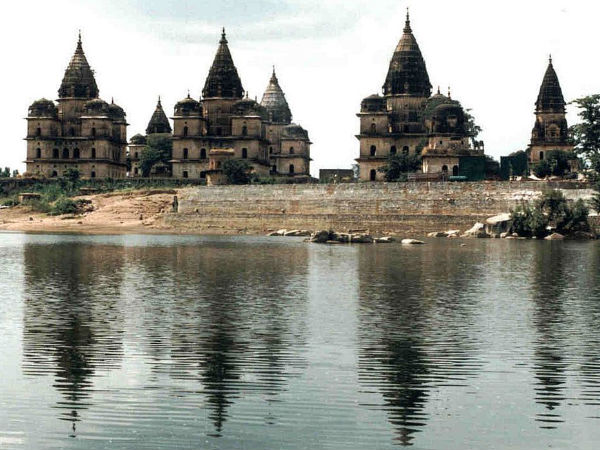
(373, 103)
(294, 131)
(188, 107)
(248, 107)
(43, 108)
(96, 107)
(138, 139)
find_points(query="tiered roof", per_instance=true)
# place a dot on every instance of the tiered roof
(223, 79)
(275, 103)
(159, 123)
(78, 80)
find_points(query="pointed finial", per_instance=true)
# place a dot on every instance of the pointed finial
(439, 93)
(112, 100)
(246, 94)
(407, 28)
(188, 94)
(449, 93)
(159, 104)
(223, 37)
(550, 58)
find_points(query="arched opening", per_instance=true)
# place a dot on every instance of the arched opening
(203, 153)
(393, 150)
(135, 155)
(135, 171)
(93, 131)
(291, 150)
(291, 169)
(185, 131)
(38, 152)
(54, 174)
(455, 171)
(541, 156)
(185, 153)
(55, 153)
(405, 150)
(93, 153)
(76, 153)
(244, 130)
(72, 131)
(38, 132)
(270, 150)
(373, 150)
(219, 131)
(65, 153)
(373, 175)
(218, 164)
(445, 168)
(244, 153)
(185, 174)
(274, 169)
(373, 128)
(93, 174)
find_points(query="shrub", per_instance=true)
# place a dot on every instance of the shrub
(542, 169)
(63, 205)
(398, 166)
(237, 171)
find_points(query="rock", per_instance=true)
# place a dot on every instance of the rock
(437, 234)
(320, 236)
(384, 240)
(411, 242)
(273, 233)
(297, 233)
(478, 231)
(504, 217)
(361, 239)
(554, 237)
(504, 235)
(452, 233)
(343, 237)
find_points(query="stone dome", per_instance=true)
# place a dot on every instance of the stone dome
(188, 107)
(449, 118)
(43, 108)
(294, 131)
(249, 107)
(115, 111)
(96, 107)
(138, 139)
(373, 103)
(275, 103)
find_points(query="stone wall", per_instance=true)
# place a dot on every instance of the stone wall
(411, 209)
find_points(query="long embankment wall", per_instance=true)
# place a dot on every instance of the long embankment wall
(410, 209)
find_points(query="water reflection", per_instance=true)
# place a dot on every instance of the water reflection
(415, 325)
(71, 323)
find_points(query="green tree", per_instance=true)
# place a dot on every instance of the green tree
(71, 175)
(557, 163)
(492, 167)
(237, 171)
(586, 134)
(473, 130)
(398, 166)
(159, 148)
(5, 173)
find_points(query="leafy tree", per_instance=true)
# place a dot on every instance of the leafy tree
(398, 166)
(492, 167)
(237, 171)
(159, 148)
(473, 130)
(556, 163)
(15, 173)
(71, 175)
(5, 173)
(586, 134)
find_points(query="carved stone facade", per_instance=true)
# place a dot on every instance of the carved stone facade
(79, 131)
(551, 131)
(225, 118)
(408, 120)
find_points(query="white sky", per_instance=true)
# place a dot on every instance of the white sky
(329, 55)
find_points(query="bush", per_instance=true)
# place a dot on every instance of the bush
(63, 205)
(529, 221)
(398, 166)
(237, 171)
(542, 169)
(557, 163)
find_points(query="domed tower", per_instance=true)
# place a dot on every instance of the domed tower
(274, 101)
(551, 131)
(83, 132)
(159, 123)
(222, 89)
(190, 149)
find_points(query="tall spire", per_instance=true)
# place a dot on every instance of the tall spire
(407, 74)
(158, 122)
(78, 80)
(223, 79)
(274, 101)
(550, 98)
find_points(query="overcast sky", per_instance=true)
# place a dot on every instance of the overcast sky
(329, 54)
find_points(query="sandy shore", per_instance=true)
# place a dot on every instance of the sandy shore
(113, 213)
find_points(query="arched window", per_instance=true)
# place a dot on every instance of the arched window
(373, 150)
(93, 153)
(203, 153)
(291, 150)
(244, 130)
(455, 171)
(218, 164)
(65, 153)
(244, 153)
(445, 168)
(393, 150)
(76, 154)
(185, 131)
(373, 128)
(72, 131)
(55, 153)
(270, 150)
(185, 174)
(373, 175)
(38, 132)
(219, 131)
(93, 131)
(541, 156)
(185, 153)
(38, 152)
(274, 169)
(135, 155)
(93, 174)
(135, 171)
(291, 168)
(54, 174)
(405, 150)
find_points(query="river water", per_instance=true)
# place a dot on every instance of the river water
(250, 342)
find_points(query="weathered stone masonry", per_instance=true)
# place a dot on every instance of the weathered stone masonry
(411, 209)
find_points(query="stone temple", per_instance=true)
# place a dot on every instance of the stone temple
(79, 131)
(407, 120)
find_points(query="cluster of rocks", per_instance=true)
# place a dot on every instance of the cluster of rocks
(290, 233)
(334, 237)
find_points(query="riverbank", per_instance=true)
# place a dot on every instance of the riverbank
(410, 210)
